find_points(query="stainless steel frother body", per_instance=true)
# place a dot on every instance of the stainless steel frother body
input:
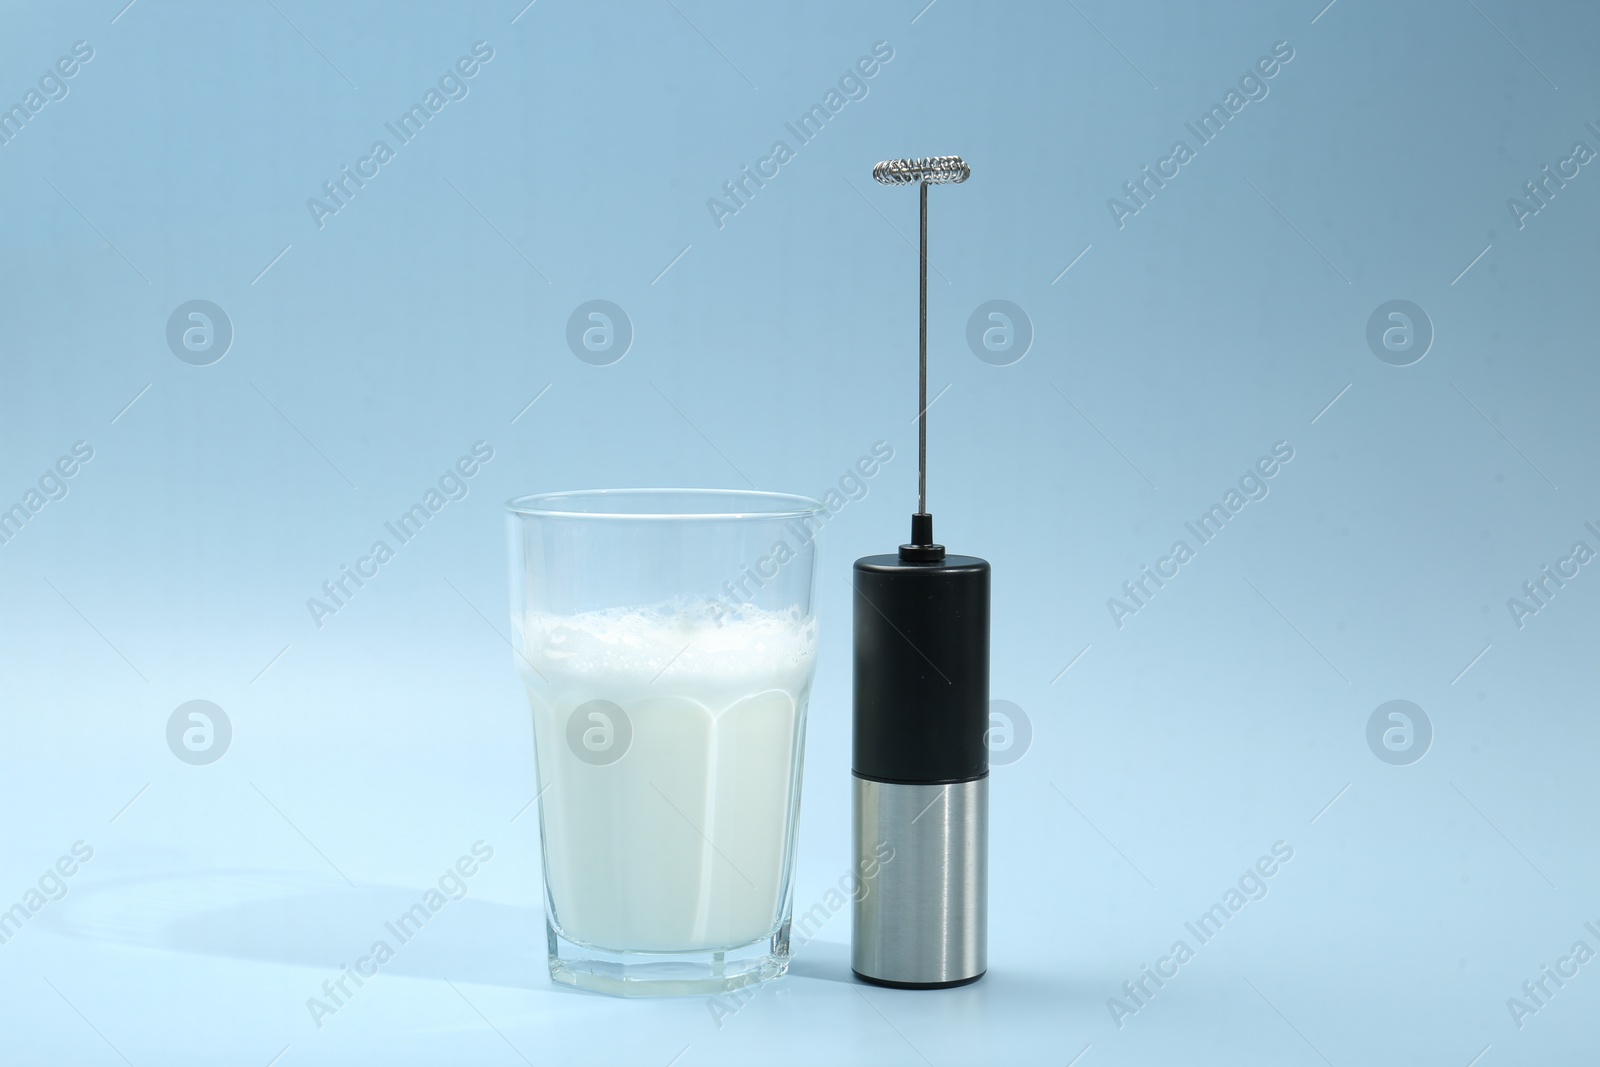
(923, 921)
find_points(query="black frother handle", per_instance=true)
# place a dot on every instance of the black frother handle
(921, 669)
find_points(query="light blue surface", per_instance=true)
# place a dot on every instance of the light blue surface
(1223, 317)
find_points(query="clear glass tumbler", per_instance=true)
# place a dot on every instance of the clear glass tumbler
(667, 641)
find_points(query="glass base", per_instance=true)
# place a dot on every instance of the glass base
(666, 974)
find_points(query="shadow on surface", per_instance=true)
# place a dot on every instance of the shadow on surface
(278, 918)
(826, 961)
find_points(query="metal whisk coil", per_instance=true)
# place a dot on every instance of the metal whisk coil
(935, 170)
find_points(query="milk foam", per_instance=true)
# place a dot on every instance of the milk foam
(636, 650)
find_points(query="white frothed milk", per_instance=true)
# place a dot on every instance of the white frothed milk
(680, 843)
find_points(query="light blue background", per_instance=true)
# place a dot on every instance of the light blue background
(1224, 317)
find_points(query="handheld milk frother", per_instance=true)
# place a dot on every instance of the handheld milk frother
(920, 765)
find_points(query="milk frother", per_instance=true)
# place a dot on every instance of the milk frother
(921, 710)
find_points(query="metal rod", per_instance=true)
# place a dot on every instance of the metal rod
(922, 364)
(925, 171)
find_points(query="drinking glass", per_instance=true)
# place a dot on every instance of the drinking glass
(667, 642)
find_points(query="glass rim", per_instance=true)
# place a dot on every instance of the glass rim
(773, 505)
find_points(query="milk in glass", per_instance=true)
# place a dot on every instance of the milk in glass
(665, 823)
